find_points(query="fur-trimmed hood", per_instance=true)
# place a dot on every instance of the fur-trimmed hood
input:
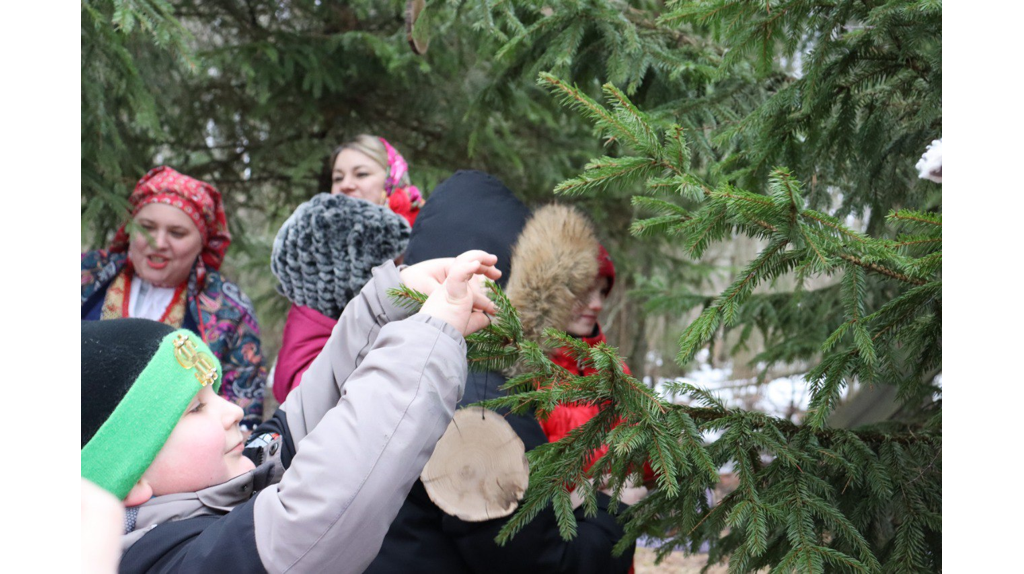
(554, 264)
(549, 259)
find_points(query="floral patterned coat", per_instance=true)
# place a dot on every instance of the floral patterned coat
(228, 326)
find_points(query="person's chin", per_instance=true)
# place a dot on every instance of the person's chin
(581, 330)
(155, 279)
(148, 275)
(243, 465)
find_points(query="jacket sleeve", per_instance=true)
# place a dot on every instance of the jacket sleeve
(539, 547)
(355, 464)
(323, 384)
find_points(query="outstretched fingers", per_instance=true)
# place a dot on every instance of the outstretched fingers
(477, 321)
(456, 285)
(487, 262)
(471, 267)
(481, 301)
(464, 300)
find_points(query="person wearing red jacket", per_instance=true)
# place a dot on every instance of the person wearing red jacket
(584, 325)
(563, 277)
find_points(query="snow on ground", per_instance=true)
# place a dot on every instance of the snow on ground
(786, 397)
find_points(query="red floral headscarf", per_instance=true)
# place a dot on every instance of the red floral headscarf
(198, 199)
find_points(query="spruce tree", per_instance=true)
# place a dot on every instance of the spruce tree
(850, 125)
(704, 121)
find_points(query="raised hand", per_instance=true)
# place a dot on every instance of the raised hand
(461, 300)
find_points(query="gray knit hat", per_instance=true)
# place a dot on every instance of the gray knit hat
(324, 252)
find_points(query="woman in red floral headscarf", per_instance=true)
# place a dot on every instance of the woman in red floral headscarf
(166, 268)
(369, 168)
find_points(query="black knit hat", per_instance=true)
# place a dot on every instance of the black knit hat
(469, 210)
(138, 377)
(324, 252)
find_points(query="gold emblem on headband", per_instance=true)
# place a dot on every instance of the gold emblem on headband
(190, 357)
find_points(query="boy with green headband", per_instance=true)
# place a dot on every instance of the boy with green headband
(317, 485)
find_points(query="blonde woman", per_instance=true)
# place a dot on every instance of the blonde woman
(371, 169)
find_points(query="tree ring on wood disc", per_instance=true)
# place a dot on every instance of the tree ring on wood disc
(478, 470)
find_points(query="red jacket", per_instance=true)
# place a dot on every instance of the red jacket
(564, 418)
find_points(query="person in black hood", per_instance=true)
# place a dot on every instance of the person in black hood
(485, 212)
(423, 538)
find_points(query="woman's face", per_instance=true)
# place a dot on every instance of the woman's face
(357, 175)
(585, 311)
(165, 258)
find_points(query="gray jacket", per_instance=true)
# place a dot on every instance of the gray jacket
(350, 442)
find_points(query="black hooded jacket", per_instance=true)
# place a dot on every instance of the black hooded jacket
(474, 210)
(469, 210)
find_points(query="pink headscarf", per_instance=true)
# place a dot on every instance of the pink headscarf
(396, 169)
(197, 199)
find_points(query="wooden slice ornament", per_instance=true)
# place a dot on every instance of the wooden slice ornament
(479, 469)
(413, 9)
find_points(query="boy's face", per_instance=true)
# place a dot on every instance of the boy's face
(204, 449)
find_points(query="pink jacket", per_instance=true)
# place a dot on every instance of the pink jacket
(305, 333)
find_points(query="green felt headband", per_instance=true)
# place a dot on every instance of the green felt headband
(128, 441)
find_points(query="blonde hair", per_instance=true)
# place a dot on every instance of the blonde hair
(372, 147)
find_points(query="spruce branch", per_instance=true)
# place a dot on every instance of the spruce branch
(494, 347)
(822, 260)
(921, 217)
(910, 242)
(707, 228)
(676, 152)
(785, 186)
(606, 171)
(605, 121)
(832, 224)
(881, 270)
(639, 132)
(898, 311)
(739, 197)
(808, 494)
(406, 297)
